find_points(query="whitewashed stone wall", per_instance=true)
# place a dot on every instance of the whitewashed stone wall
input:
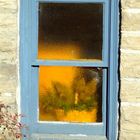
(130, 63)
(130, 71)
(8, 55)
(8, 51)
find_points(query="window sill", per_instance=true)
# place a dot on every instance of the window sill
(65, 137)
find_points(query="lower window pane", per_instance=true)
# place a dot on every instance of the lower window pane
(70, 94)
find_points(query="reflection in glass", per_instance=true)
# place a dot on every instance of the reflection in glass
(70, 31)
(71, 94)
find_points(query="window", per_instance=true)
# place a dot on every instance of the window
(68, 68)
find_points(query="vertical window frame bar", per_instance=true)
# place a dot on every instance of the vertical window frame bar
(113, 85)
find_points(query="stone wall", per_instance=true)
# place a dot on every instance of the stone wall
(8, 51)
(8, 56)
(130, 71)
(130, 63)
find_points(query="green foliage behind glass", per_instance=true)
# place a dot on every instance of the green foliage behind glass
(63, 97)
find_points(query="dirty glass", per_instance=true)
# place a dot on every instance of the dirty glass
(69, 31)
(70, 94)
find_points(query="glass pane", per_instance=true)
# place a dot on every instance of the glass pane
(70, 94)
(70, 31)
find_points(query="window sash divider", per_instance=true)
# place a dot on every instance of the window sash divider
(73, 1)
(69, 63)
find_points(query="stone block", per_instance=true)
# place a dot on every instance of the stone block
(130, 42)
(130, 3)
(9, 33)
(130, 90)
(127, 135)
(130, 119)
(8, 98)
(8, 6)
(130, 65)
(8, 20)
(8, 57)
(130, 21)
(8, 78)
(8, 45)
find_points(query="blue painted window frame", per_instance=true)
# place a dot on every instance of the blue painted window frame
(29, 74)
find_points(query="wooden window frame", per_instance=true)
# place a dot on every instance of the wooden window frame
(29, 71)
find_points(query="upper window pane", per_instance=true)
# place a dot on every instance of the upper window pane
(70, 31)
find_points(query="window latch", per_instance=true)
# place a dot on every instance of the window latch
(35, 66)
